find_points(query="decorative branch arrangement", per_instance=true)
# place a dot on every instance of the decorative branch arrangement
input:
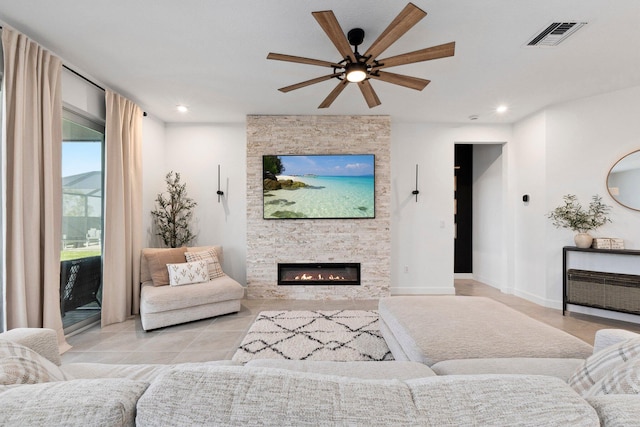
(173, 213)
(573, 216)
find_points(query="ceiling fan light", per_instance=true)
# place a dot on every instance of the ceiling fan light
(356, 72)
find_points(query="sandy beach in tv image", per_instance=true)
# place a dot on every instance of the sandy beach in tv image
(319, 186)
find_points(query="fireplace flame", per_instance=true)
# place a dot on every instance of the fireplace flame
(306, 276)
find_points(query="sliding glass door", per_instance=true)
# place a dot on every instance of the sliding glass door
(82, 224)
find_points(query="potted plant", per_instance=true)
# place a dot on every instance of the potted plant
(173, 213)
(573, 216)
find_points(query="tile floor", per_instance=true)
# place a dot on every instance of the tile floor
(218, 338)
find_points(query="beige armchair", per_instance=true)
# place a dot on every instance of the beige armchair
(163, 305)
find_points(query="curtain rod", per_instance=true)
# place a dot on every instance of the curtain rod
(83, 77)
(144, 113)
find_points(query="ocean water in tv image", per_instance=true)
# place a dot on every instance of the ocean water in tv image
(305, 193)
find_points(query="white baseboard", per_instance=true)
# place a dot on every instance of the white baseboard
(591, 311)
(536, 299)
(466, 276)
(423, 290)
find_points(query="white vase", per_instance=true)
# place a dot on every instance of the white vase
(583, 240)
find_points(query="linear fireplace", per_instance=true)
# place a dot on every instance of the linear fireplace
(319, 274)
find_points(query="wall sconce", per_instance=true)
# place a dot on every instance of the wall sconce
(220, 193)
(416, 191)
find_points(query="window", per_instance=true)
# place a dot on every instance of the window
(82, 224)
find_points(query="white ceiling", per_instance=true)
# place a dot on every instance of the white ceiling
(211, 55)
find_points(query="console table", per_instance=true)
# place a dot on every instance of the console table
(615, 291)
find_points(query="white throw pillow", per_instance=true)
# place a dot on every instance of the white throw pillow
(21, 365)
(623, 379)
(595, 367)
(211, 257)
(187, 273)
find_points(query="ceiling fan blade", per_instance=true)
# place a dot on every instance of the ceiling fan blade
(435, 52)
(308, 82)
(334, 94)
(330, 25)
(399, 79)
(407, 18)
(369, 94)
(302, 60)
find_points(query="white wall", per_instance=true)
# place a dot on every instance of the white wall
(488, 215)
(527, 159)
(195, 151)
(566, 149)
(584, 138)
(422, 233)
(153, 172)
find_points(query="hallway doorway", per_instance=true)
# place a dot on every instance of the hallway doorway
(479, 214)
(463, 208)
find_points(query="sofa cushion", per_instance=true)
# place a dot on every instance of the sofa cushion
(365, 370)
(146, 372)
(187, 273)
(157, 261)
(241, 396)
(555, 367)
(596, 366)
(21, 365)
(623, 379)
(158, 299)
(617, 410)
(145, 274)
(104, 402)
(499, 400)
(211, 257)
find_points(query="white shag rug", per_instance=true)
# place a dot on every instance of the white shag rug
(332, 335)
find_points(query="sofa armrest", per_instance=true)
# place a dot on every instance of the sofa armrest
(606, 337)
(41, 340)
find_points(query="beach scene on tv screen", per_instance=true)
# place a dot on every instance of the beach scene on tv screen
(319, 186)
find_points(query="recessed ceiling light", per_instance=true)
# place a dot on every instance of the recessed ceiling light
(182, 108)
(501, 109)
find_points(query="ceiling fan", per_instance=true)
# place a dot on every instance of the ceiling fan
(360, 68)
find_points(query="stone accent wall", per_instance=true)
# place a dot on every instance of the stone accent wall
(367, 241)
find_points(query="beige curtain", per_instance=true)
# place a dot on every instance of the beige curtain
(123, 210)
(33, 111)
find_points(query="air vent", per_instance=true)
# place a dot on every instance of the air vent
(555, 33)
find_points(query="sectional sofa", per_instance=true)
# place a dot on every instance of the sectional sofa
(37, 390)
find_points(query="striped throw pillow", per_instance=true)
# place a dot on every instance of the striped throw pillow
(21, 365)
(597, 366)
(210, 256)
(623, 379)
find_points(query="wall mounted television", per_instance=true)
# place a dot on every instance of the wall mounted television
(334, 186)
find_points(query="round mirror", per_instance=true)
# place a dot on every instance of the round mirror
(623, 181)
